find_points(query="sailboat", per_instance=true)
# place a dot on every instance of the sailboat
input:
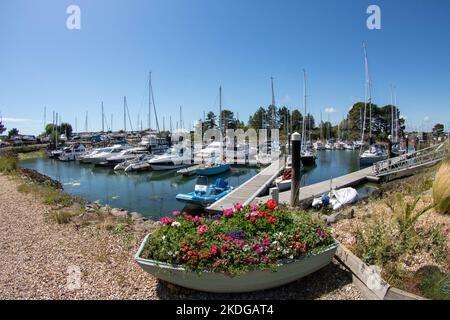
(308, 155)
(397, 148)
(376, 152)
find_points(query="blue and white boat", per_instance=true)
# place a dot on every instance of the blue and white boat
(212, 169)
(204, 194)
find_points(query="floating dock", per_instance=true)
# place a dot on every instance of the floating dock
(308, 193)
(248, 191)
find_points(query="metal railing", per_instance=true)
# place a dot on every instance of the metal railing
(419, 158)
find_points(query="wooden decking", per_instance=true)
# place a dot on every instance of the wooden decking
(308, 193)
(249, 190)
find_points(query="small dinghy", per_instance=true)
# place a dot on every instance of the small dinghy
(204, 194)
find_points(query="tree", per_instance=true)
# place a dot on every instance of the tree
(258, 120)
(438, 130)
(2, 128)
(66, 128)
(13, 132)
(210, 121)
(228, 120)
(297, 120)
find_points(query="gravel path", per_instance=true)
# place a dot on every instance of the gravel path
(37, 256)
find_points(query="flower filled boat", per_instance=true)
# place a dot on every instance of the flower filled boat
(241, 250)
(204, 194)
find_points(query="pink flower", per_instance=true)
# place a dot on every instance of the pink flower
(228, 213)
(202, 229)
(254, 207)
(214, 249)
(196, 219)
(238, 206)
(176, 213)
(166, 220)
(251, 260)
(265, 259)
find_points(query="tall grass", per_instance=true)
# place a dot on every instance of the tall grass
(441, 187)
(8, 162)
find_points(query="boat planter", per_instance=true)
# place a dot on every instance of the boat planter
(287, 271)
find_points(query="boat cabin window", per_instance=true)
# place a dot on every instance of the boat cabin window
(202, 181)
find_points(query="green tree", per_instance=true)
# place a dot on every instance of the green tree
(210, 121)
(438, 130)
(257, 120)
(66, 128)
(297, 120)
(13, 132)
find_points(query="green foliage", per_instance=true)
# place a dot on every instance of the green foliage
(49, 195)
(434, 284)
(60, 217)
(237, 241)
(8, 162)
(31, 155)
(13, 132)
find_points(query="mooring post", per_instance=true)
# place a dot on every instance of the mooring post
(390, 146)
(296, 163)
(275, 194)
(407, 144)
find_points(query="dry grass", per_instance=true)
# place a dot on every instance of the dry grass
(403, 234)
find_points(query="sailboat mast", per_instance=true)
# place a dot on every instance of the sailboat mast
(103, 119)
(149, 102)
(304, 103)
(124, 114)
(273, 104)
(220, 109)
(154, 106)
(369, 89)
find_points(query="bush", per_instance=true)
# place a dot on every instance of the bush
(8, 162)
(441, 187)
(237, 241)
(60, 217)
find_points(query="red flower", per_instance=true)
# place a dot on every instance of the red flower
(186, 248)
(271, 220)
(271, 204)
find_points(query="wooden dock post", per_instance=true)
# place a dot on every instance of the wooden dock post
(296, 164)
(390, 146)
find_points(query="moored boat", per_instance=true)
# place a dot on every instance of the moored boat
(204, 194)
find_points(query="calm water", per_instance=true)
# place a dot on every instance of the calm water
(153, 193)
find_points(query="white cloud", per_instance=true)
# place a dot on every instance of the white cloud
(330, 110)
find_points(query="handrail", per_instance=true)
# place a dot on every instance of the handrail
(421, 157)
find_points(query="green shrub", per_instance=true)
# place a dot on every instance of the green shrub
(433, 283)
(8, 162)
(60, 217)
(441, 187)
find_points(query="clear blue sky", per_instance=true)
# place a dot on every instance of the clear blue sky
(193, 46)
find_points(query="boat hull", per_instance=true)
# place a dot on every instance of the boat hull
(251, 281)
(308, 160)
(163, 167)
(213, 170)
(368, 161)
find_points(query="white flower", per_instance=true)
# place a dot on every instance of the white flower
(164, 237)
(291, 257)
(176, 224)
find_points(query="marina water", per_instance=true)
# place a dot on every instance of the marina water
(153, 193)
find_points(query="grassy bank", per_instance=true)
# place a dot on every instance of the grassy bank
(402, 232)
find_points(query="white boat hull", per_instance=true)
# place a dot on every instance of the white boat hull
(287, 272)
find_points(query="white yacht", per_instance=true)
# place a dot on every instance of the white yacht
(106, 153)
(72, 153)
(154, 144)
(125, 155)
(375, 153)
(174, 158)
(214, 149)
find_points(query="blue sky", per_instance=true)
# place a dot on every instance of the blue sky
(193, 46)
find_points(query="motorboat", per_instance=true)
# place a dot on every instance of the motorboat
(154, 144)
(214, 149)
(142, 163)
(125, 155)
(107, 153)
(72, 153)
(86, 158)
(375, 153)
(318, 145)
(204, 194)
(174, 158)
(398, 150)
